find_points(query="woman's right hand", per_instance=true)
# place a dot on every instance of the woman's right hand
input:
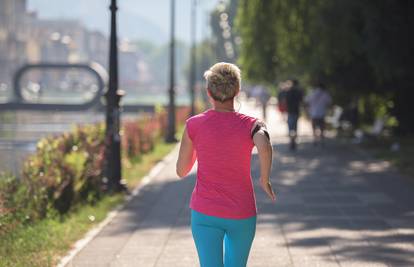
(267, 187)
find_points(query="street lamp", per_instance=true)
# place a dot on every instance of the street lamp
(170, 136)
(113, 97)
(193, 55)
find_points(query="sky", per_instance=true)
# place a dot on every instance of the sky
(138, 19)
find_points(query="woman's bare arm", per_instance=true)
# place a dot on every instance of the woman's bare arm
(264, 149)
(186, 156)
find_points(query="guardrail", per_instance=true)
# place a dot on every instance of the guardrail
(19, 103)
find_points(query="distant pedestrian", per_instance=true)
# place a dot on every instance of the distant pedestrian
(281, 99)
(294, 97)
(318, 102)
(264, 99)
(223, 208)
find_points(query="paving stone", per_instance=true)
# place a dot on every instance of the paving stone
(345, 199)
(317, 200)
(357, 211)
(328, 211)
(373, 224)
(375, 197)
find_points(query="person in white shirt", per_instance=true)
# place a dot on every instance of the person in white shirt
(318, 101)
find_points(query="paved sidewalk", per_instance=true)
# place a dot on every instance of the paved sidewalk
(336, 207)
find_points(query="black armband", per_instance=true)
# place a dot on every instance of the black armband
(258, 128)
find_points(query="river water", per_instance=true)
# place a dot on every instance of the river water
(21, 130)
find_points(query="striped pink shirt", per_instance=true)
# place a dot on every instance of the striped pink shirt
(223, 144)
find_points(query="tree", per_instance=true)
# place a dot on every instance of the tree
(359, 48)
(225, 39)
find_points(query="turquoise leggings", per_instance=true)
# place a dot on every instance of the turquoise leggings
(211, 232)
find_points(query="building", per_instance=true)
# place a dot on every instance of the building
(97, 48)
(26, 38)
(61, 41)
(14, 34)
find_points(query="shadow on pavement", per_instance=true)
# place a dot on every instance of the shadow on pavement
(332, 202)
(336, 198)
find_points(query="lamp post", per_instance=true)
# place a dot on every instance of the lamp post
(170, 136)
(113, 97)
(193, 56)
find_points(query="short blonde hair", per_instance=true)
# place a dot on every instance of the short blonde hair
(223, 81)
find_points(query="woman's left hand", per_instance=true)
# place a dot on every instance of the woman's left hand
(267, 187)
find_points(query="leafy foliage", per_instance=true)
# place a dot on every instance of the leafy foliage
(66, 170)
(358, 48)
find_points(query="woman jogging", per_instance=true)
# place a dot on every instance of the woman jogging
(223, 207)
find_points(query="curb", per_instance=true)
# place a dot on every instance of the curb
(91, 234)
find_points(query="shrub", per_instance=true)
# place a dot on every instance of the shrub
(12, 194)
(66, 170)
(139, 136)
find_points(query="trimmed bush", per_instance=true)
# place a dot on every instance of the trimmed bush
(12, 195)
(66, 170)
(139, 136)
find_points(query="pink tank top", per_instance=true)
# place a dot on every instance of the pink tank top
(223, 144)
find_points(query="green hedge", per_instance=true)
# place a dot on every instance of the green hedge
(66, 170)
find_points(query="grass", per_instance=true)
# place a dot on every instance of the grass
(402, 159)
(43, 243)
(136, 168)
